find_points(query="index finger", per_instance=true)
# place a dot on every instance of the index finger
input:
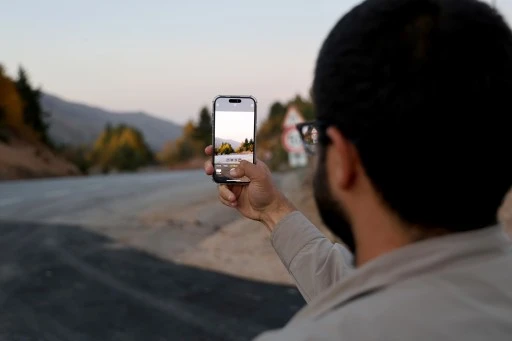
(208, 150)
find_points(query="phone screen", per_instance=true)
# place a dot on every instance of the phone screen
(234, 127)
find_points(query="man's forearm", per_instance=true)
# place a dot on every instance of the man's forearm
(312, 259)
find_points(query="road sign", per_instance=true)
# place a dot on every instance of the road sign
(297, 159)
(292, 142)
(292, 117)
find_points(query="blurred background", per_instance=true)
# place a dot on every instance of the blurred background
(108, 227)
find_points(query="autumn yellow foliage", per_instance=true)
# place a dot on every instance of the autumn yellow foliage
(11, 112)
(11, 106)
(191, 144)
(120, 148)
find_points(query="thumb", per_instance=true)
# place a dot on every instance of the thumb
(248, 169)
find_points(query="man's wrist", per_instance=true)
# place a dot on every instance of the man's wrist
(277, 212)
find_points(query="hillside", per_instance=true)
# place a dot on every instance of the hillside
(75, 124)
(21, 160)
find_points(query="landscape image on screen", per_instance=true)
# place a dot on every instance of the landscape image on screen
(234, 141)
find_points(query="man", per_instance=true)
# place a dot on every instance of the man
(413, 117)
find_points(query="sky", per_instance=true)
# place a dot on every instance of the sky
(168, 57)
(234, 125)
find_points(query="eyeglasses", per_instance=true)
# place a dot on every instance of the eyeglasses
(312, 134)
(309, 134)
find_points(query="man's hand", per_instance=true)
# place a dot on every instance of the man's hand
(259, 200)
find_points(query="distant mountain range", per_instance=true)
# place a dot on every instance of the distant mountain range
(75, 123)
(233, 143)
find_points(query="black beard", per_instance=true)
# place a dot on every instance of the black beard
(331, 212)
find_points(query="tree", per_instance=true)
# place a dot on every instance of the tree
(33, 114)
(126, 158)
(190, 130)
(277, 110)
(186, 149)
(204, 127)
(77, 155)
(11, 109)
(225, 149)
(108, 128)
(122, 148)
(183, 149)
(191, 143)
(3, 134)
(304, 106)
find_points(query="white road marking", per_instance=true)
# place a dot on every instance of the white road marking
(9, 201)
(57, 193)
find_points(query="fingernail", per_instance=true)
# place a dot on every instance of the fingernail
(233, 172)
(231, 198)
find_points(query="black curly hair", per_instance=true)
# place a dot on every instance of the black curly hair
(424, 89)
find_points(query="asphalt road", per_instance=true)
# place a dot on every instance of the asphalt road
(102, 199)
(79, 262)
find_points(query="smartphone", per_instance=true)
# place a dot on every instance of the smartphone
(234, 136)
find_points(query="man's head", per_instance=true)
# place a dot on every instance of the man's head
(416, 100)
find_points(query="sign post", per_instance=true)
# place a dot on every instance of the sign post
(291, 140)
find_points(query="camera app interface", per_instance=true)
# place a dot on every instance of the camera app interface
(234, 141)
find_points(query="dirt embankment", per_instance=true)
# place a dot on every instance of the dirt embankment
(22, 160)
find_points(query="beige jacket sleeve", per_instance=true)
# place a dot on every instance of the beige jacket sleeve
(314, 261)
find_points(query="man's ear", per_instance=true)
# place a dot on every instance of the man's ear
(343, 159)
